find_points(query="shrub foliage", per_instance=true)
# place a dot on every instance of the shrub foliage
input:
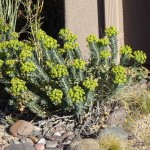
(44, 76)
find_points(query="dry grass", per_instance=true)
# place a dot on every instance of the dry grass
(135, 99)
(111, 142)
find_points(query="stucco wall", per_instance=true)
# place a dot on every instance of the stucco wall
(81, 16)
(137, 25)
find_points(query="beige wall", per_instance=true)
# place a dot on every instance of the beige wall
(137, 25)
(81, 16)
(114, 17)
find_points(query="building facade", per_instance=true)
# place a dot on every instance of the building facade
(130, 17)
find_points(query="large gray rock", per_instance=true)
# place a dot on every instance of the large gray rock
(116, 131)
(22, 146)
(117, 117)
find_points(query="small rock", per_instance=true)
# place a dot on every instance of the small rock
(55, 138)
(116, 130)
(57, 134)
(68, 134)
(117, 117)
(84, 144)
(40, 136)
(67, 142)
(21, 127)
(21, 146)
(33, 138)
(28, 140)
(53, 148)
(1, 146)
(39, 146)
(60, 146)
(16, 142)
(42, 141)
(52, 144)
(7, 138)
(59, 127)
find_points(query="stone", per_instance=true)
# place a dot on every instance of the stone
(84, 144)
(21, 127)
(39, 146)
(50, 144)
(116, 131)
(68, 134)
(33, 138)
(55, 138)
(21, 146)
(42, 141)
(1, 146)
(57, 134)
(117, 117)
(28, 140)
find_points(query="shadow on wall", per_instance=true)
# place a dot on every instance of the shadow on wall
(137, 25)
(101, 17)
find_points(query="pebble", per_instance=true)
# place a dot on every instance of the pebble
(42, 141)
(52, 144)
(39, 146)
(28, 140)
(55, 138)
(33, 138)
(57, 134)
(68, 134)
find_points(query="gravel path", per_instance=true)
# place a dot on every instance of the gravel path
(141, 131)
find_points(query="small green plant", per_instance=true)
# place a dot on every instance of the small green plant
(111, 142)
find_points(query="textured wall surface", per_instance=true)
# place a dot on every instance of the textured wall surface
(81, 16)
(137, 25)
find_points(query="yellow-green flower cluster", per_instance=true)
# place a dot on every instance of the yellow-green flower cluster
(104, 41)
(14, 35)
(126, 50)
(17, 86)
(67, 35)
(56, 96)
(10, 62)
(91, 38)
(90, 83)
(28, 67)
(58, 71)
(50, 63)
(105, 54)
(1, 62)
(3, 26)
(61, 51)
(79, 64)
(112, 31)
(26, 52)
(76, 94)
(70, 46)
(139, 56)
(47, 41)
(120, 74)
(12, 44)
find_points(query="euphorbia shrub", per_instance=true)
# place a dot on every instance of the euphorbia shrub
(44, 77)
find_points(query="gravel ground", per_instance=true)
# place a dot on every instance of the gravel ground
(141, 131)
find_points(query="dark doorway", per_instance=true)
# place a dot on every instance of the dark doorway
(53, 18)
(137, 25)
